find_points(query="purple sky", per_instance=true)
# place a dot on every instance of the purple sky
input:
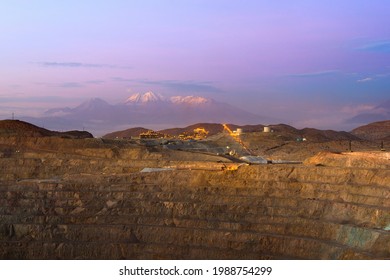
(313, 63)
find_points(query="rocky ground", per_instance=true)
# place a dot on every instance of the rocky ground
(66, 198)
(377, 131)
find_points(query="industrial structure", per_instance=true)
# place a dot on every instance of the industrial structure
(151, 134)
(236, 136)
(198, 133)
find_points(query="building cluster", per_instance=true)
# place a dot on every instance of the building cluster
(151, 134)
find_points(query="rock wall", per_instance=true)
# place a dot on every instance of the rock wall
(255, 212)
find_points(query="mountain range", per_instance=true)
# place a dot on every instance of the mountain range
(157, 112)
(150, 109)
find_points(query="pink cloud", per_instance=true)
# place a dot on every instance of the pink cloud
(357, 109)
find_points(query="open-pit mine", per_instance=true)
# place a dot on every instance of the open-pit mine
(71, 196)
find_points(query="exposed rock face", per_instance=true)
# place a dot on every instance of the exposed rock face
(91, 202)
(349, 159)
(145, 109)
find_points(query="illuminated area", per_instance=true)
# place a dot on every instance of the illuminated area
(236, 137)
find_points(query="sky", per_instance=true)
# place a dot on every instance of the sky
(310, 63)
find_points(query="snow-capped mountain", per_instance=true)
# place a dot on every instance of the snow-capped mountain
(190, 100)
(148, 97)
(146, 109)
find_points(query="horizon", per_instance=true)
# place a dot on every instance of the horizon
(99, 131)
(313, 64)
(162, 127)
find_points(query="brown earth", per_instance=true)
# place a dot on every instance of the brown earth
(376, 131)
(88, 199)
(284, 145)
(372, 159)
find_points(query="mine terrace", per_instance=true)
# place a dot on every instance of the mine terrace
(208, 191)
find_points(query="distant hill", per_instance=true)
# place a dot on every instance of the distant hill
(212, 128)
(143, 110)
(283, 130)
(326, 135)
(25, 129)
(127, 133)
(312, 134)
(374, 131)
